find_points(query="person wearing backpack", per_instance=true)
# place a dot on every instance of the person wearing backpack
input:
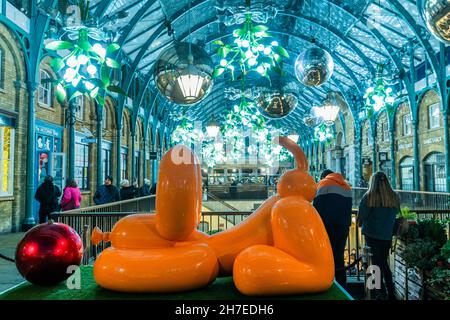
(71, 196)
(377, 214)
(47, 194)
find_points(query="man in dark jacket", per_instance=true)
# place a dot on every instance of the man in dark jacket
(333, 202)
(107, 193)
(145, 189)
(47, 194)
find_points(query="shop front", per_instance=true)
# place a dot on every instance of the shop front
(50, 160)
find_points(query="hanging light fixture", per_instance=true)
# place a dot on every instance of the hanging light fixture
(213, 127)
(293, 136)
(183, 73)
(330, 108)
(379, 94)
(82, 55)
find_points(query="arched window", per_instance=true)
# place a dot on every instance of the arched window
(407, 173)
(434, 172)
(45, 88)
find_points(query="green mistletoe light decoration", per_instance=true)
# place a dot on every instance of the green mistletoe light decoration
(86, 67)
(379, 96)
(323, 133)
(186, 134)
(253, 50)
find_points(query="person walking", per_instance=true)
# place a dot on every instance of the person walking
(107, 192)
(47, 194)
(127, 191)
(71, 198)
(145, 189)
(378, 210)
(333, 202)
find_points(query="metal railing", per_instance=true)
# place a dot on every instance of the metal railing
(83, 220)
(414, 200)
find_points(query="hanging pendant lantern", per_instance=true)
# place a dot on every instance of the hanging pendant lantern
(314, 67)
(183, 73)
(213, 127)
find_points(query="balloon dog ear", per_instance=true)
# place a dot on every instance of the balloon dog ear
(299, 156)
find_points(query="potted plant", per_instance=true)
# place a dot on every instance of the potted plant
(422, 252)
(438, 279)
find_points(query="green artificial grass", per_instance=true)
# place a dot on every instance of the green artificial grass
(221, 289)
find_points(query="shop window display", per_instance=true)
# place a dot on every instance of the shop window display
(6, 160)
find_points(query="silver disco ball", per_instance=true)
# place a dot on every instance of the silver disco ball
(276, 105)
(183, 73)
(313, 67)
(436, 14)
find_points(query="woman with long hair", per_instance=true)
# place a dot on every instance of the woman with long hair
(377, 212)
(71, 196)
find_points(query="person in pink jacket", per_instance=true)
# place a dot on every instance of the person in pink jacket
(71, 198)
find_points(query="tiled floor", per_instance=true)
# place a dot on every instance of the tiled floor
(9, 276)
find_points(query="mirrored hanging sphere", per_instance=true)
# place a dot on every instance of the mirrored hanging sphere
(276, 106)
(183, 73)
(436, 14)
(314, 67)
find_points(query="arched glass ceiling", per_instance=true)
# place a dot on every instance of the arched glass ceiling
(358, 33)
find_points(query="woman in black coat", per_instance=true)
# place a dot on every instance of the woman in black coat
(47, 194)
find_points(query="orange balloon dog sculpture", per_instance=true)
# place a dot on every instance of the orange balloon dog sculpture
(282, 248)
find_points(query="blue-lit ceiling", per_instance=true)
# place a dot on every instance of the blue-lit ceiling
(358, 33)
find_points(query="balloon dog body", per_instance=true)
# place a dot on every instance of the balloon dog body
(282, 248)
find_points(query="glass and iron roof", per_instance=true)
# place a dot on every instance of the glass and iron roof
(359, 34)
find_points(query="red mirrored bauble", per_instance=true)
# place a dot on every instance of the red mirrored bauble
(46, 251)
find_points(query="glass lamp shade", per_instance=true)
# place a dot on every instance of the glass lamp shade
(293, 136)
(314, 67)
(436, 14)
(183, 73)
(329, 113)
(276, 106)
(213, 128)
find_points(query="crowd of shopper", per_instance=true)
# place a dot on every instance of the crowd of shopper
(51, 199)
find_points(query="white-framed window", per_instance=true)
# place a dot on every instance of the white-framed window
(82, 166)
(80, 108)
(407, 124)
(6, 160)
(45, 88)
(434, 115)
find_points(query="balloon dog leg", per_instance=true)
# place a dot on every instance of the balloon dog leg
(171, 269)
(300, 261)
